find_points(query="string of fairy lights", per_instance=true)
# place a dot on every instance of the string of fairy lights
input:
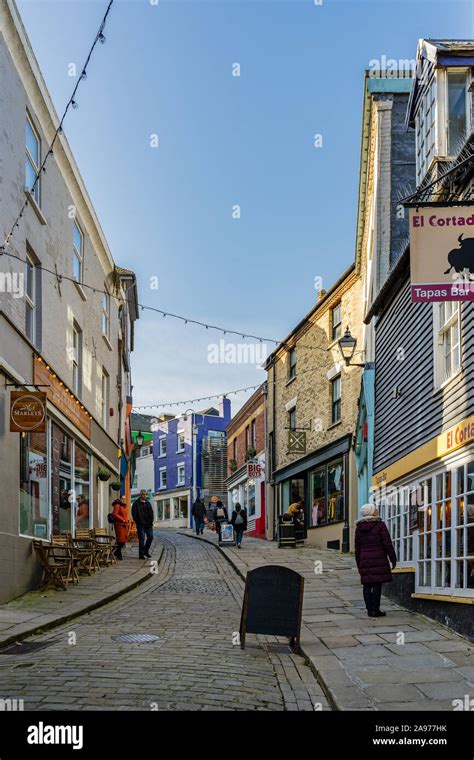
(60, 277)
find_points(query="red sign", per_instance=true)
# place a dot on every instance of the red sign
(254, 470)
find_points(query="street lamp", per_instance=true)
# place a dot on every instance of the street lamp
(139, 438)
(347, 346)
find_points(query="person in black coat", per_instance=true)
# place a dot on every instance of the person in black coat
(142, 513)
(373, 551)
(239, 521)
(220, 516)
(198, 511)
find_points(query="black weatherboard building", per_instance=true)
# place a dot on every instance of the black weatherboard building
(424, 381)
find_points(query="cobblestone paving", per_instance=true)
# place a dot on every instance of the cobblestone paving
(193, 603)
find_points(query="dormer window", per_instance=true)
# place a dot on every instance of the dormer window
(457, 110)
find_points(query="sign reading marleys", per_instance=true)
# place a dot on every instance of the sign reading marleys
(442, 253)
(27, 412)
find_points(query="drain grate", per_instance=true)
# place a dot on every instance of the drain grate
(26, 647)
(137, 638)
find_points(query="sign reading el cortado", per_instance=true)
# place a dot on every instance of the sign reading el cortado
(27, 412)
(442, 253)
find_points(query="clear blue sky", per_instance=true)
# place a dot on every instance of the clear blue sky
(224, 140)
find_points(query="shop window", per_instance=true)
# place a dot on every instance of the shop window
(34, 501)
(82, 487)
(167, 509)
(445, 499)
(249, 497)
(183, 507)
(160, 510)
(327, 494)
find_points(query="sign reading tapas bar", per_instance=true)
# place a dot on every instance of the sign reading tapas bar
(442, 253)
(27, 412)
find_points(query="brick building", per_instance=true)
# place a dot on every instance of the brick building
(310, 418)
(246, 461)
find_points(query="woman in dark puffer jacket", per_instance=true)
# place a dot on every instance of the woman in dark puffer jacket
(373, 550)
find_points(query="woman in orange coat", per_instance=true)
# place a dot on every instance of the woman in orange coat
(121, 523)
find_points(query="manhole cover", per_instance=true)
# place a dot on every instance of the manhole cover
(137, 638)
(278, 648)
(25, 647)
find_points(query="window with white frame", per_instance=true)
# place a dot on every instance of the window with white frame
(181, 476)
(181, 443)
(30, 298)
(395, 511)
(445, 533)
(162, 477)
(76, 358)
(162, 447)
(104, 398)
(426, 131)
(32, 160)
(105, 314)
(457, 111)
(447, 328)
(77, 252)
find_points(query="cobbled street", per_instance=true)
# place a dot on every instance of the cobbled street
(193, 603)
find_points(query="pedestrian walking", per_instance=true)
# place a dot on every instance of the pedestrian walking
(220, 516)
(198, 511)
(142, 513)
(239, 521)
(373, 550)
(121, 524)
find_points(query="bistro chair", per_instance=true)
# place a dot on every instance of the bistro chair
(87, 552)
(57, 564)
(107, 544)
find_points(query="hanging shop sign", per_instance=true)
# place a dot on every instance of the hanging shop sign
(442, 253)
(297, 442)
(27, 412)
(254, 470)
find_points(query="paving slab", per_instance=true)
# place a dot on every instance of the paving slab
(361, 666)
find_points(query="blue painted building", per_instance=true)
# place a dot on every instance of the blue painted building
(190, 460)
(387, 166)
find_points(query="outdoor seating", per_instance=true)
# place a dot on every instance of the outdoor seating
(87, 550)
(106, 542)
(57, 563)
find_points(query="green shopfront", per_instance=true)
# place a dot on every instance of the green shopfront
(322, 480)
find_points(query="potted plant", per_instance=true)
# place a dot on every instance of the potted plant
(103, 473)
(232, 465)
(251, 453)
(115, 485)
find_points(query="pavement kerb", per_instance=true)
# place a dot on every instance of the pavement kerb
(61, 619)
(328, 693)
